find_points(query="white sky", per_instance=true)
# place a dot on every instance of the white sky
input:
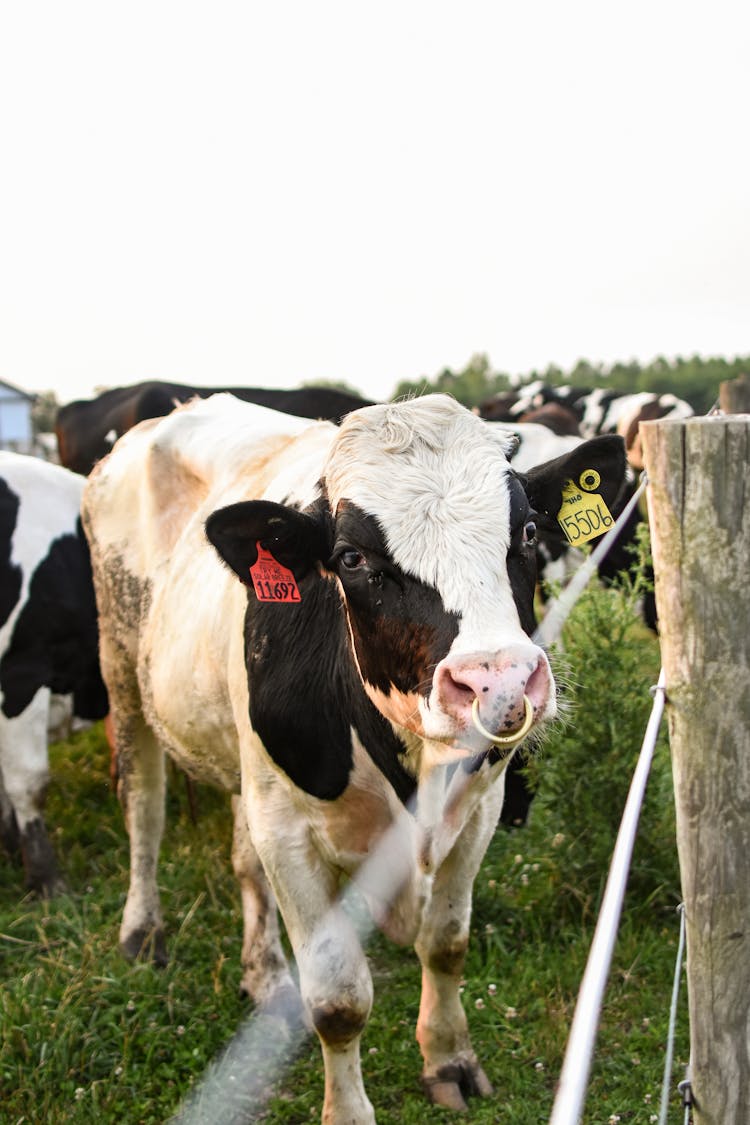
(271, 193)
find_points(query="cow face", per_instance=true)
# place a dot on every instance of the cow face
(429, 536)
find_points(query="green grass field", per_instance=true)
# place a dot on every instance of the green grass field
(87, 1037)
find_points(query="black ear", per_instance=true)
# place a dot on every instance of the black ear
(605, 455)
(297, 540)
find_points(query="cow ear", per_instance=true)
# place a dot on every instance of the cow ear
(605, 455)
(297, 540)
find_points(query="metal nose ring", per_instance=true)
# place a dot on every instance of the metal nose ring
(505, 739)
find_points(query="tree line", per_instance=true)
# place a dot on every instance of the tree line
(694, 379)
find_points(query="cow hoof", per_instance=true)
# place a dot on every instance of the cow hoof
(47, 886)
(452, 1084)
(146, 945)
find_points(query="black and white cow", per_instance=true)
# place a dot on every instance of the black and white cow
(333, 624)
(48, 644)
(87, 429)
(598, 411)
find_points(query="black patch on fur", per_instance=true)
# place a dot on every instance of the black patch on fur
(400, 626)
(306, 694)
(55, 640)
(521, 558)
(10, 574)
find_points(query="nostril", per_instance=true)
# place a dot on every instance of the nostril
(457, 691)
(537, 686)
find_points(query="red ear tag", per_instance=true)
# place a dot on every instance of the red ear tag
(272, 581)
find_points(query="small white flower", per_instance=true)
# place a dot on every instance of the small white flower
(538, 1066)
(373, 1050)
(489, 928)
(118, 1071)
(180, 1029)
(80, 1092)
(558, 839)
(518, 859)
(613, 1119)
(130, 1006)
(492, 883)
(511, 1013)
(492, 989)
(479, 1003)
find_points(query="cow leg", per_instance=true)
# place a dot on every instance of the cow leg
(265, 978)
(24, 764)
(451, 1069)
(8, 823)
(334, 976)
(141, 789)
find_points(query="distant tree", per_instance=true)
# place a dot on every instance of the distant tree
(44, 412)
(695, 379)
(335, 385)
(470, 386)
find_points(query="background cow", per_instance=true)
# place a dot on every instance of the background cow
(367, 600)
(48, 644)
(568, 409)
(88, 428)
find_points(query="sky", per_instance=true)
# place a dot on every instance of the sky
(276, 193)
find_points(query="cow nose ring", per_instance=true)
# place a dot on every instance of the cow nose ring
(505, 739)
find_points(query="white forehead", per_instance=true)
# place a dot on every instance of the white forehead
(435, 476)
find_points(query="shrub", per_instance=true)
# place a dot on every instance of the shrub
(554, 869)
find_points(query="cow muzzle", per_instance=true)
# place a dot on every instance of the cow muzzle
(499, 696)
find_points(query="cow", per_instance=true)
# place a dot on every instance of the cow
(87, 429)
(561, 420)
(48, 646)
(598, 411)
(334, 625)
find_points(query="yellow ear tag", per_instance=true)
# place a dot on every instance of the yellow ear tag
(583, 515)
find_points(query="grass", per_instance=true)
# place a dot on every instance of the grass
(88, 1037)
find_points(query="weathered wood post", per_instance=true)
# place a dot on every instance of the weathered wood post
(734, 395)
(699, 509)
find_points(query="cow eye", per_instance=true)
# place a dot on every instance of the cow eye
(352, 560)
(529, 532)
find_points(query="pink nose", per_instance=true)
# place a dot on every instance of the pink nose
(499, 681)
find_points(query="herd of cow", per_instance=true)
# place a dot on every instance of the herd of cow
(325, 607)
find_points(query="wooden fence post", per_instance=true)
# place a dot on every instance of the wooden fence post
(699, 510)
(734, 395)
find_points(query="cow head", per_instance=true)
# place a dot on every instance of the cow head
(429, 535)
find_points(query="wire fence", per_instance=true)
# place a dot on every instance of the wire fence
(571, 1093)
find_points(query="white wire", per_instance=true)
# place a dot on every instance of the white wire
(667, 1080)
(571, 1092)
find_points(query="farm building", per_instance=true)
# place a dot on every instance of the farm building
(16, 430)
